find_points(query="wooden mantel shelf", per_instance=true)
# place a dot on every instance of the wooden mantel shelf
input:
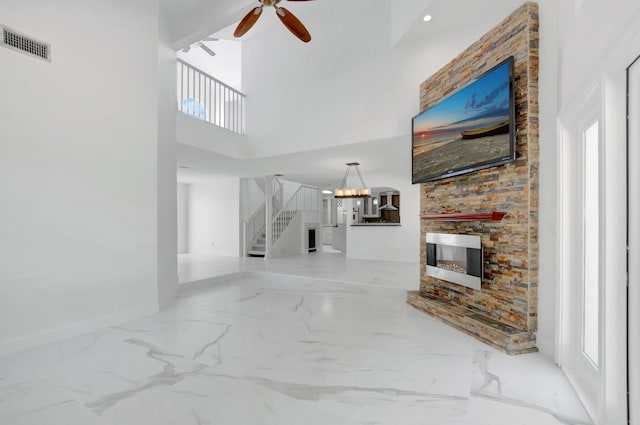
(478, 216)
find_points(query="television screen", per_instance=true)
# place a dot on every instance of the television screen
(471, 129)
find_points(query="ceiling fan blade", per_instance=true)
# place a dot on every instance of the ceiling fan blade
(293, 24)
(206, 49)
(186, 49)
(248, 21)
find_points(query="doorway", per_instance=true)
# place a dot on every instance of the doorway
(594, 231)
(583, 231)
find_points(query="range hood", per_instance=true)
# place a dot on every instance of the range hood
(388, 205)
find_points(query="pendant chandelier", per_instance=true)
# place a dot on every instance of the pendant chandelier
(354, 192)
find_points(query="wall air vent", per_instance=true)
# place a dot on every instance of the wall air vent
(25, 44)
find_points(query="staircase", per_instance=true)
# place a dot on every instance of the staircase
(259, 245)
(257, 238)
(263, 235)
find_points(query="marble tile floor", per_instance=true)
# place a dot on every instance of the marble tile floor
(275, 349)
(333, 266)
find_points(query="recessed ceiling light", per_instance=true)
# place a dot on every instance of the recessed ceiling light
(426, 18)
(328, 192)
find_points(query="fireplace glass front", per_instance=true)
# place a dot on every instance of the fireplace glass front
(452, 258)
(455, 258)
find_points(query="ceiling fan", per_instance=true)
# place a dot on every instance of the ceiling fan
(288, 19)
(202, 46)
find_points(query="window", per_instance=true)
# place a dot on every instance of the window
(591, 279)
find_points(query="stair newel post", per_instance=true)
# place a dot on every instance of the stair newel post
(268, 216)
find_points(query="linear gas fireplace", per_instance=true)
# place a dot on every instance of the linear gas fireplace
(455, 258)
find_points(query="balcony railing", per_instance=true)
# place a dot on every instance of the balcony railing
(203, 97)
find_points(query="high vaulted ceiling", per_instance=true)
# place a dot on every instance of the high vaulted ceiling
(191, 20)
(461, 20)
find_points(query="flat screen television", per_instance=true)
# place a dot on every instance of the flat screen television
(472, 129)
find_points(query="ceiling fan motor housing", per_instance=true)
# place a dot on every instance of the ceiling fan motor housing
(288, 19)
(271, 2)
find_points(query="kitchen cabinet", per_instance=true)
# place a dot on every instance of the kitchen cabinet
(370, 207)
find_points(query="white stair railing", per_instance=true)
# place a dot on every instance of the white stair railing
(304, 199)
(204, 97)
(256, 224)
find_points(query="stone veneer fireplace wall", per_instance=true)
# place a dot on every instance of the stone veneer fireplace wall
(504, 312)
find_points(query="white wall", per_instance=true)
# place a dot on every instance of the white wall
(339, 237)
(390, 243)
(548, 177)
(214, 211)
(320, 95)
(252, 197)
(167, 191)
(200, 134)
(588, 34)
(183, 217)
(78, 169)
(255, 197)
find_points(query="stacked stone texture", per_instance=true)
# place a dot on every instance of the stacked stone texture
(509, 292)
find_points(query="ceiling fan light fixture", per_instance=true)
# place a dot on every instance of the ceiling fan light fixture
(288, 19)
(201, 45)
(206, 49)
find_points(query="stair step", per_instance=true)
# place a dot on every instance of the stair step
(259, 246)
(256, 253)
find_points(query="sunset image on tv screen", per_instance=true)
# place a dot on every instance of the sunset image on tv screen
(469, 128)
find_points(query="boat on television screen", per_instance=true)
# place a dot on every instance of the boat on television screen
(502, 128)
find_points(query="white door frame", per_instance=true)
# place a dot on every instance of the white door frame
(611, 406)
(634, 242)
(584, 376)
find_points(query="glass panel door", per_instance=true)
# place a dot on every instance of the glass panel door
(593, 226)
(582, 253)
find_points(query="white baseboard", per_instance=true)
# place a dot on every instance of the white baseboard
(547, 348)
(14, 345)
(203, 283)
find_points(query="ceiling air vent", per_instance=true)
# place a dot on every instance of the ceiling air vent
(25, 44)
